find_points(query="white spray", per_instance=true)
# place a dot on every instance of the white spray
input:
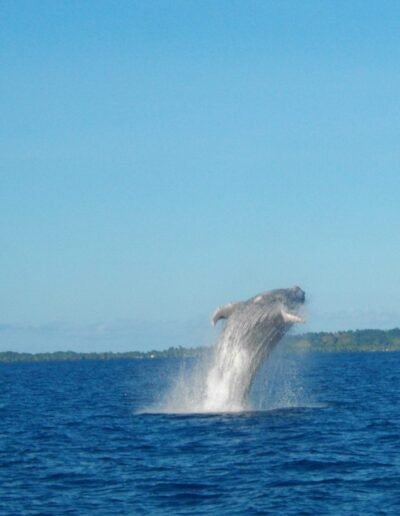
(222, 382)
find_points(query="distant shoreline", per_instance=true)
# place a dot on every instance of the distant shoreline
(325, 342)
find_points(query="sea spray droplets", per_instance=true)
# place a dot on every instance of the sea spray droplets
(238, 356)
(222, 381)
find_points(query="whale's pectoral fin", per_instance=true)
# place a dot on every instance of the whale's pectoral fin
(222, 312)
(291, 318)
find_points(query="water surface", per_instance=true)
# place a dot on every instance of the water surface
(78, 438)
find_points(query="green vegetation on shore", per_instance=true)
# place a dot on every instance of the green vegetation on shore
(348, 341)
(180, 352)
(342, 341)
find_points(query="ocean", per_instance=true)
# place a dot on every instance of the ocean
(97, 437)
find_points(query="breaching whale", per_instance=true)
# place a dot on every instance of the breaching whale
(252, 329)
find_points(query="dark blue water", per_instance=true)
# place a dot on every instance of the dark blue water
(73, 441)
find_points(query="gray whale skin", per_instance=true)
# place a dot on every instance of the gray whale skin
(281, 305)
(252, 329)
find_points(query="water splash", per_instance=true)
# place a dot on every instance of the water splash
(280, 382)
(223, 380)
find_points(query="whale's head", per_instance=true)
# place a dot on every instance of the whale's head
(281, 305)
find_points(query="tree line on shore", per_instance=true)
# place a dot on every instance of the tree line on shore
(342, 341)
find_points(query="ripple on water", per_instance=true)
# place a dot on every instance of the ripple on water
(74, 441)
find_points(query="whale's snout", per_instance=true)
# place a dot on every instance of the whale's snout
(299, 295)
(294, 298)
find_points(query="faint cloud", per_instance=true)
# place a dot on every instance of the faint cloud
(353, 319)
(104, 336)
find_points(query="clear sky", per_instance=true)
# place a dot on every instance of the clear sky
(159, 158)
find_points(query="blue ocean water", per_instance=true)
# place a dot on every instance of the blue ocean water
(79, 438)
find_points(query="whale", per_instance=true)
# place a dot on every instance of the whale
(251, 330)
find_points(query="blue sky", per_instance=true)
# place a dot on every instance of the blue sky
(161, 158)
